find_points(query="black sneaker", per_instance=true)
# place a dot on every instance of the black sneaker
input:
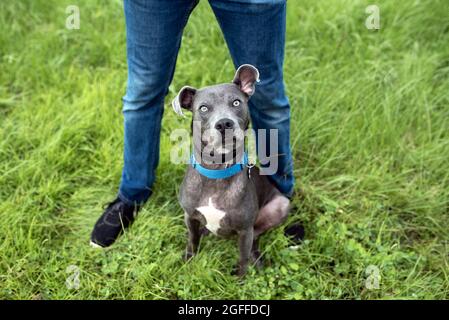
(295, 232)
(116, 218)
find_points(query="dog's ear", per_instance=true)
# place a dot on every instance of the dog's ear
(184, 100)
(246, 77)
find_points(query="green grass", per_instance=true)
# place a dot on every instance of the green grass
(370, 137)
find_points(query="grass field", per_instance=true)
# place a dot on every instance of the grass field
(370, 135)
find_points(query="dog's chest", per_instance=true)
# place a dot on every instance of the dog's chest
(212, 215)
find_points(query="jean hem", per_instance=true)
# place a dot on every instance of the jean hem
(130, 202)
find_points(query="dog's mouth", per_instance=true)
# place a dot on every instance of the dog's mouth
(226, 146)
(229, 143)
(221, 151)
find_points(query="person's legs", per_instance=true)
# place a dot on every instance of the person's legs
(153, 36)
(255, 34)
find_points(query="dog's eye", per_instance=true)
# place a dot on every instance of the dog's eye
(236, 103)
(204, 109)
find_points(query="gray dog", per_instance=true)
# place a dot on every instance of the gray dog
(227, 197)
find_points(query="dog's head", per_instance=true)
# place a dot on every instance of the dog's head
(220, 112)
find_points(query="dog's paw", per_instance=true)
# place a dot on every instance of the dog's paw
(259, 263)
(238, 271)
(186, 256)
(257, 259)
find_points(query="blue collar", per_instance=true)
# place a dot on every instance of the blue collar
(219, 173)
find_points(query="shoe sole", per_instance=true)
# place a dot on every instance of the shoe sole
(95, 245)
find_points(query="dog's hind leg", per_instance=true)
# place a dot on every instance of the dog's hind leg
(272, 214)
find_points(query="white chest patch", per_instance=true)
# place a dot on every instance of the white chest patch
(212, 215)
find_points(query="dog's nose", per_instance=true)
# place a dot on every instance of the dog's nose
(224, 124)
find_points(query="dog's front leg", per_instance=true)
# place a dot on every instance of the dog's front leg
(193, 226)
(246, 238)
(256, 256)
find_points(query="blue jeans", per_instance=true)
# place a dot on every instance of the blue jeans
(255, 34)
